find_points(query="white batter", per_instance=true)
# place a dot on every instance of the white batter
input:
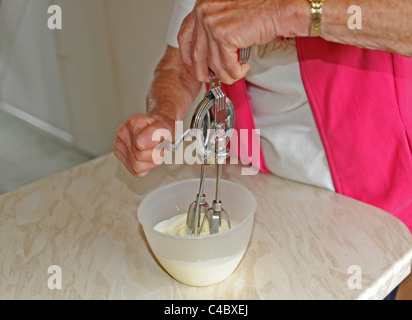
(200, 272)
(176, 226)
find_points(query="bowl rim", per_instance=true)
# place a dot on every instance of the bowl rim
(145, 199)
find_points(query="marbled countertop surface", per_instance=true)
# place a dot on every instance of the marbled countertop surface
(307, 243)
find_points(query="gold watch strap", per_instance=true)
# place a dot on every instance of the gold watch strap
(316, 17)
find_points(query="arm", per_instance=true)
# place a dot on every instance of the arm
(216, 29)
(173, 89)
(386, 25)
(172, 92)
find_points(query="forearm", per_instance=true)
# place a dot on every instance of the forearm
(173, 89)
(386, 25)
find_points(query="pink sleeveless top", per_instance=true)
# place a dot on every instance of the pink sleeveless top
(362, 104)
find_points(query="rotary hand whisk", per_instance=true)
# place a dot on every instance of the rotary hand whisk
(214, 119)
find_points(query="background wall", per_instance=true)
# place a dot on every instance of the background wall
(81, 82)
(30, 83)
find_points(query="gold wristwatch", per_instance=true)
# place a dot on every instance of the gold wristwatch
(316, 17)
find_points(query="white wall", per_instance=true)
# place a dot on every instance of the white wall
(30, 82)
(138, 32)
(87, 78)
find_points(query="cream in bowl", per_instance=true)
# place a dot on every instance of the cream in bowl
(206, 259)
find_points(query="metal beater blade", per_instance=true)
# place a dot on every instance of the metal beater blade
(217, 98)
(197, 207)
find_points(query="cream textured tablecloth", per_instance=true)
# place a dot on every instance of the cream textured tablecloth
(307, 243)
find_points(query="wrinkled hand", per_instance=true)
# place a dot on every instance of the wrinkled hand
(134, 145)
(215, 30)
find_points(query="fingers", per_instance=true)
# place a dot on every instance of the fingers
(122, 156)
(224, 61)
(199, 52)
(215, 62)
(232, 70)
(148, 139)
(185, 38)
(207, 40)
(134, 143)
(137, 168)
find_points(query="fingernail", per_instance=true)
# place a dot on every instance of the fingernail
(141, 175)
(141, 142)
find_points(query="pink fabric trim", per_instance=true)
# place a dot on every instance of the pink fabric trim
(362, 104)
(237, 92)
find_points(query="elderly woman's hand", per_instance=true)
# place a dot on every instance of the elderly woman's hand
(134, 144)
(171, 94)
(213, 32)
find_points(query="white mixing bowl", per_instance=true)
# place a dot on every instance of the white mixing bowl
(209, 259)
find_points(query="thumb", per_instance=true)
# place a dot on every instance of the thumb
(152, 135)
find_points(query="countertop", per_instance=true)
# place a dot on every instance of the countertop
(307, 243)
